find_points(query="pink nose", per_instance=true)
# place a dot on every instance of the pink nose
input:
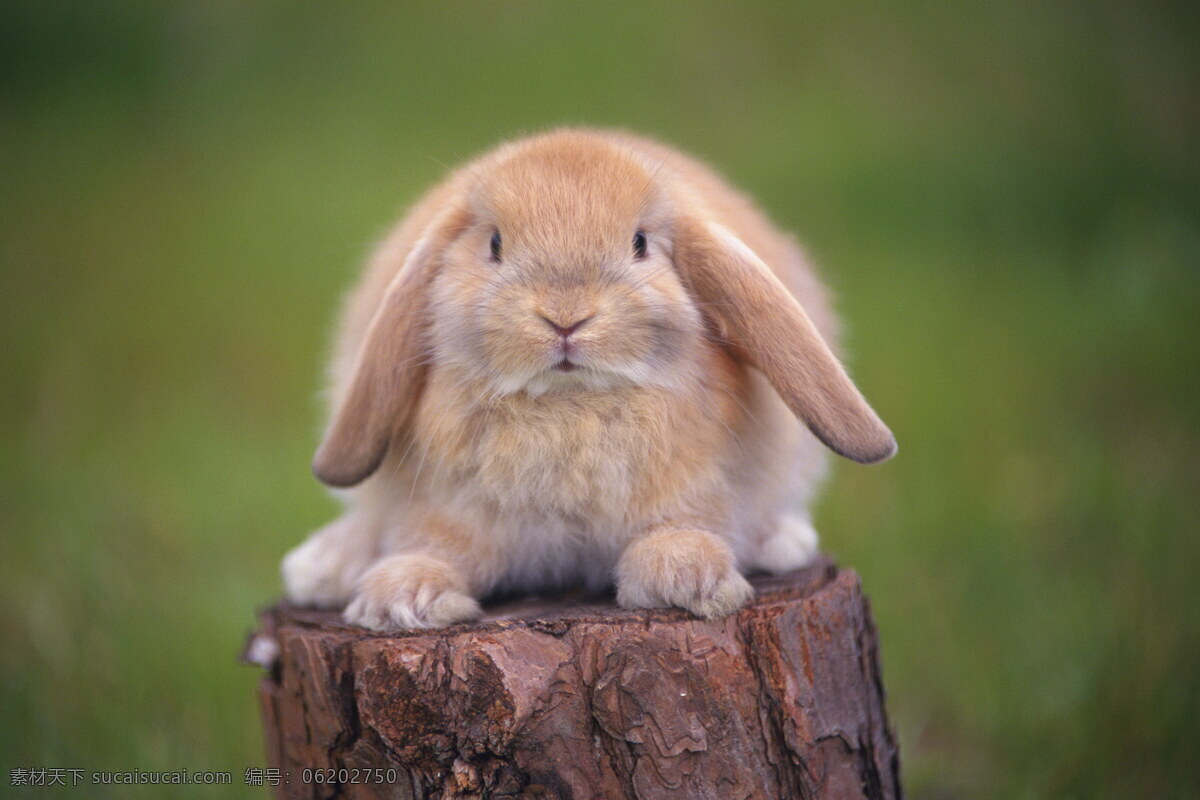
(566, 330)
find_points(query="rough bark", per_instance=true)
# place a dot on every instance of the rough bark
(581, 699)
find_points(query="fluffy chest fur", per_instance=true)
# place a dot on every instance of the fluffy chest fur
(619, 457)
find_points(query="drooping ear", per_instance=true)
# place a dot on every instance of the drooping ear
(389, 372)
(769, 328)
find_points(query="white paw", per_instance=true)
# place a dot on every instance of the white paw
(411, 591)
(323, 571)
(690, 569)
(792, 546)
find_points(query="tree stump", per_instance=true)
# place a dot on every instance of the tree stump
(578, 698)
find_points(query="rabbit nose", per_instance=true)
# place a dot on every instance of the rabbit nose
(566, 330)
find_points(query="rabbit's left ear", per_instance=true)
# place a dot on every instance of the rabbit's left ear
(769, 327)
(390, 368)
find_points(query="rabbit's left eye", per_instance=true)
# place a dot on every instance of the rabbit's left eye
(495, 245)
(639, 244)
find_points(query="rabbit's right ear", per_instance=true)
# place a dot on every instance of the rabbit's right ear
(390, 369)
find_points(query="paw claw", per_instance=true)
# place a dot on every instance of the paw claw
(411, 591)
(689, 569)
(730, 594)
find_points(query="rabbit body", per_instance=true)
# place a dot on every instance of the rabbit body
(579, 412)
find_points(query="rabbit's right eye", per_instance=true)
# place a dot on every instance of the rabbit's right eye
(495, 245)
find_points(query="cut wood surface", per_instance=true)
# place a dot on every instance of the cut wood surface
(578, 698)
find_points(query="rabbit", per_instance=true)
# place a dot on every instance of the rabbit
(583, 359)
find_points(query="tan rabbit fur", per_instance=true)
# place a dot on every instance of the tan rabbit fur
(579, 360)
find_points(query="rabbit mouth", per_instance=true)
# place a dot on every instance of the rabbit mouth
(566, 365)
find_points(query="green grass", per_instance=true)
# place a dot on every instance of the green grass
(1006, 198)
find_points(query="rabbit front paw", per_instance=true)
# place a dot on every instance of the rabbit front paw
(691, 569)
(411, 591)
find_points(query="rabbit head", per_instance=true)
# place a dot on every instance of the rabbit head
(566, 263)
(563, 280)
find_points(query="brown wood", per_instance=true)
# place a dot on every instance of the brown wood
(577, 698)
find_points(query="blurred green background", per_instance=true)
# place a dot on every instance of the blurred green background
(1005, 197)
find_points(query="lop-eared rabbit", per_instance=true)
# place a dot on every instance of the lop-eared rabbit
(581, 359)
